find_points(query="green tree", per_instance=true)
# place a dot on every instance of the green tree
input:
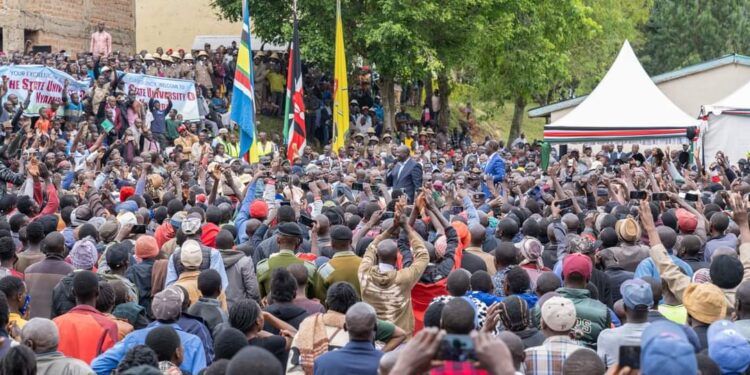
(592, 55)
(524, 47)
(681, 33)
(381, 32)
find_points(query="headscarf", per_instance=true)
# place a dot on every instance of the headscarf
(83, 255)
(531, 250)
(464, 236)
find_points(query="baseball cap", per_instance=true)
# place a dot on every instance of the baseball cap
(191, 254)
(686, 221)
(559, 314)
(728, 348)
(117, 255)
(577, 263)
(191, 224)
(580, 244)
(167, 304)
(665, 350)
(290, 230)
(127, 217)
(636, 293)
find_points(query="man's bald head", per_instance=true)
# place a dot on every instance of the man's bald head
(54, 243)
(484, 220)
(41, 335)
(387, 250)
(402, 152)
(551, 233)
(515, 346)
(360, 321)
(667, 236)
(571, 222)
(323, 224)
(478, 233)
(251, 226)
(742, 300)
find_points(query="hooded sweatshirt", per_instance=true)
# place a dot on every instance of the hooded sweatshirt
(164, 233)
(242, 282)
(288, 312)
(208, 234)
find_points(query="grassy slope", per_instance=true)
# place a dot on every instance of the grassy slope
(493, 119)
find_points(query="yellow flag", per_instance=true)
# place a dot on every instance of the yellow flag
(254, 156)
(340, 89)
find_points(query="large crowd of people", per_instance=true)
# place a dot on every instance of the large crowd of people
(154, 248)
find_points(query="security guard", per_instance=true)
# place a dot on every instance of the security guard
(289, 239)
(343, 266)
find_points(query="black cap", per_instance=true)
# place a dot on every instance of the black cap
(341, 233)
(117, 255)
(290, 229)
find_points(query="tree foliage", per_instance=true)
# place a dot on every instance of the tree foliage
(592, 55)
(524, 46)
(511, 50)
(681, 33)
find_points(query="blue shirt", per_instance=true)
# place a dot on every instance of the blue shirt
(216, 264)
(192, 349)
(647, 267)
(194, 326)
(356, 357)
(495, 167)
(243, 214)
(728, 240)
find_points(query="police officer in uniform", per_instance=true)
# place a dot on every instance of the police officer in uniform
(289, 238)
(343, 266)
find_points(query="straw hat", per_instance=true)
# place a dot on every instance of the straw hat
(188, 57)
(166, 57)
(157, 56)
(202, 54)
(275, 56)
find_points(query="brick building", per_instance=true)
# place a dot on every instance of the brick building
(65, 24)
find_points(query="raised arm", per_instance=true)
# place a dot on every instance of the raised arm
(669, 272)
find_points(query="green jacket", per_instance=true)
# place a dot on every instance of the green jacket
(343, 266)
(592, 315)
(283, 258)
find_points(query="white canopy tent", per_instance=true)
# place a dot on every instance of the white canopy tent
(727, 126)
(626, 107)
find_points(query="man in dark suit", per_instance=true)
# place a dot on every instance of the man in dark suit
(406, 174)
(617, 155)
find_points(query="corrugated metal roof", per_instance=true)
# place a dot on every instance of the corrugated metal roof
(546, 110)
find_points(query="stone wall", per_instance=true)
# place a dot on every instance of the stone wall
(66, 24)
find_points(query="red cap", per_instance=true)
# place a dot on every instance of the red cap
(126, 192)
(200, 198)
(258, 209)
(686, 221)
(577, 263)
(181, 128)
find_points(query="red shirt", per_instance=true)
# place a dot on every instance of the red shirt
(85, 333)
